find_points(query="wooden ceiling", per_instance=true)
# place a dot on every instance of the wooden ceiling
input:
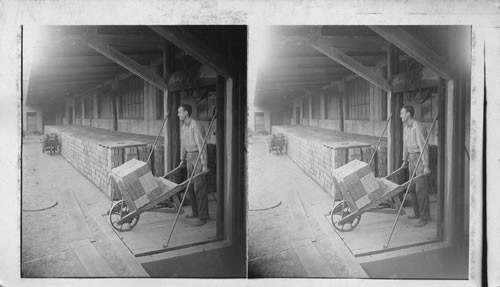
(293, 67)
(66, 65)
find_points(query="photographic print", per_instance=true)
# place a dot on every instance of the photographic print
(125, 135)
(359, 140)
(249, 143)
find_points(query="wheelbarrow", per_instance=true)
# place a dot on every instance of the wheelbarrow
(345, 215)
(278, 143)
(123, 218)
(51, 143)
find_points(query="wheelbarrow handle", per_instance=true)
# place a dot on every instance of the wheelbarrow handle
(395, 172)
(414, 179)
(194, 176)
(173, 171)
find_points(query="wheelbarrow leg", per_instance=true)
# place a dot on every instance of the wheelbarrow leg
(177, 204)
(398, 204)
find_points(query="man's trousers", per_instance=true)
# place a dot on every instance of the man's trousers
(198, 189)
(420, 189)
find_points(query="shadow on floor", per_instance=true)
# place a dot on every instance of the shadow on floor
(228, 262)
(446, 263)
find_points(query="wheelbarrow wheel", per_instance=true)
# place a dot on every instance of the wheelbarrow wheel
(118, 211)
(342, 210)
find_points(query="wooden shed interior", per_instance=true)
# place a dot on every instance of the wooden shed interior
(128, 79)
(351, 79)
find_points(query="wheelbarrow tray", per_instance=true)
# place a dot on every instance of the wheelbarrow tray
(51, 143)
(277, 142)
(390, 189)
(169, 189)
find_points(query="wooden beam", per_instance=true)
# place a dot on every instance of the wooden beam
(65, 83)
(135, 41)
(75, 70)
(70, 78)
(395, 128)
(57, 60)
(129, 64)
(194, 47)
(297, 78)
(415, 49)
(301, 71)
(315, 61)
(337, 55)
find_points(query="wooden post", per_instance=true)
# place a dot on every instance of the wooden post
(166, 145)
(114, 103)
(171, 103)
(449, 167)
(229, 152)
(341, 106)
(220, 152)
(166, 108)
(441, 158)
(395, 129)
(309, 106)
(458, 55)
(322, 105)
(174, 132)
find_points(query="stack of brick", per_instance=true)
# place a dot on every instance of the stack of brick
(159, 161)
(94, 160)
(314, 158)
(137, 184)
(89, 158)
(358, 184)
(317, 160)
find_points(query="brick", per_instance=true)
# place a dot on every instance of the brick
(136, 176)
(359, 180)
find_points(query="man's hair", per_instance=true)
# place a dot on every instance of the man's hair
(187, 108)
(409, 109)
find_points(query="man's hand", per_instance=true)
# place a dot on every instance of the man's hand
(205, 169)
(182, 163)
(427, 170)
(404, 165)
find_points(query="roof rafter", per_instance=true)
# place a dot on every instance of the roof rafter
(415, 49)
(326, 47)
(128, 63)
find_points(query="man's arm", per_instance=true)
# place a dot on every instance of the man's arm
(198, 138)
(405, 150)
(183, 150)
(421, 135)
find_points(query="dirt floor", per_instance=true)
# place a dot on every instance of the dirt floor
(62, 231)
(446, 263)
(288, 234)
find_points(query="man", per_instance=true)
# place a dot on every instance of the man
(414, 134)
(191, 147)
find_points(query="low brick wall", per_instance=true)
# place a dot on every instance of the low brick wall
(95, 160)
(318, 159)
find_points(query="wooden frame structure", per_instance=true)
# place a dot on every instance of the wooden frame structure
(140, 50)
(356, 49)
